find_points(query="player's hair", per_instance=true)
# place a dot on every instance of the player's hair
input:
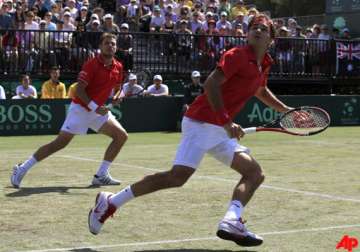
(255, 18)
(23, 76)
(107, 35)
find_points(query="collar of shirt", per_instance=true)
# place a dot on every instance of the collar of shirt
(101, 61)
(266, 62)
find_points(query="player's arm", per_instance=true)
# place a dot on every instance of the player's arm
(82, 95)
(212, 87)
(265, 95)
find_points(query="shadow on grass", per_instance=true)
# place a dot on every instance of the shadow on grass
(27, 191)
(84, 250)
(194, 250)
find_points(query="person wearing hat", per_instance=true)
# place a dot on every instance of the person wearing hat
(125, 47)
(193, 89)
(68, 22)
(157, 20)
(238, 6)
(83, 16)
(71, 5)
(240, 20)
(131, 88)
(223, 21)
(346, 33)
(158, 88)
(109, 25)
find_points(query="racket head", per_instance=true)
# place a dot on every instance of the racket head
(305, 121)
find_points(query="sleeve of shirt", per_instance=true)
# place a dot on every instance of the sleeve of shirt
(44, 91)
(34, 91)
(18, 90)
(230, 63)
(266, 76)
(86, 73)
(63, 91)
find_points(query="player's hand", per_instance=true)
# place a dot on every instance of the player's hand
(102, 110)
(234, 130)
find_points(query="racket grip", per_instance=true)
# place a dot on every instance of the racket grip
(110, 106)
(249, 130)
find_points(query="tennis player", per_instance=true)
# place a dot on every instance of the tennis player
(208, 127)
(96, 80)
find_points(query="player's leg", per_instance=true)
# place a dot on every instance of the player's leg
(76, 122)
(19, 171)
(118, 134)
(187, 159)
(238, 157)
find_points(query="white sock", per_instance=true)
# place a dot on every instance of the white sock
(122, 197)
(28, 164)
(234, 211)
(103, 169)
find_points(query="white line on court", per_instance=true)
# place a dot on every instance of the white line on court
(276, 188)
(137, 244)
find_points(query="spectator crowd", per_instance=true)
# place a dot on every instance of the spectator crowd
(40, 34)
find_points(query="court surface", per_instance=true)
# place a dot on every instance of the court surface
(310, 198)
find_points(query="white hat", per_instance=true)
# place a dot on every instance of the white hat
(158, 77)
(132, 76)
(96, 22)
(209, 13)
(195, 74)
(107, 16)
(42, 22)
(124, 25)
(94, 15)
(84, 8)
(67, 14)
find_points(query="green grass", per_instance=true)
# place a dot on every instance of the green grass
(50, 210)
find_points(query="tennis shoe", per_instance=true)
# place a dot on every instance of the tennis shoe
(105, 179)
(235, 230)
(17, 175)
(102, 210)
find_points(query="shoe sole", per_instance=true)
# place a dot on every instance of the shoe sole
(230, 237)
(96, 201)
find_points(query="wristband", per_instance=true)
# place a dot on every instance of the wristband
(92, 106)
(222, 116)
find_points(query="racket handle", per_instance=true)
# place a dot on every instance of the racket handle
(249, 130)
(110, 106)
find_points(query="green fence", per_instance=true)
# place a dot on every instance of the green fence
(42, 117)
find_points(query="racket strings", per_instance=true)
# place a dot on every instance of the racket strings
(305, 121)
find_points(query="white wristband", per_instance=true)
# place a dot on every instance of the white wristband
(92, 106)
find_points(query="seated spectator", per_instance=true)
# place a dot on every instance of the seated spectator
(51, 26)
(125, 47)
(68, 22)
(53, 88)
(131, 88)
(239, 20)
(346, 34)
(25, 90)
(2, 93)
(192, 90)
(109, 25)
(238, 7)
(6, 21)
(144, 17)
(72, 90)
(10, 43)
(157, 89)
(83, 17)
(195, 23)
(223, 22)
(157, 20)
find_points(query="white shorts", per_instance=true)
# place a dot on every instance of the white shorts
(199, 138)
(79, 120)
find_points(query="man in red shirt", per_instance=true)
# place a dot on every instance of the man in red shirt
(208, 127)
(96, 80)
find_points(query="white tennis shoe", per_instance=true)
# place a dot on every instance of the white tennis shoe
(106, 179)
(235, 230)
(17, 175)
(102, 210)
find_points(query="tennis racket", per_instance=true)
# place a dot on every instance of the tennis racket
(301, 121)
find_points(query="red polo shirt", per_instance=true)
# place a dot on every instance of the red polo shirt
(100, 79)
(243, 78)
